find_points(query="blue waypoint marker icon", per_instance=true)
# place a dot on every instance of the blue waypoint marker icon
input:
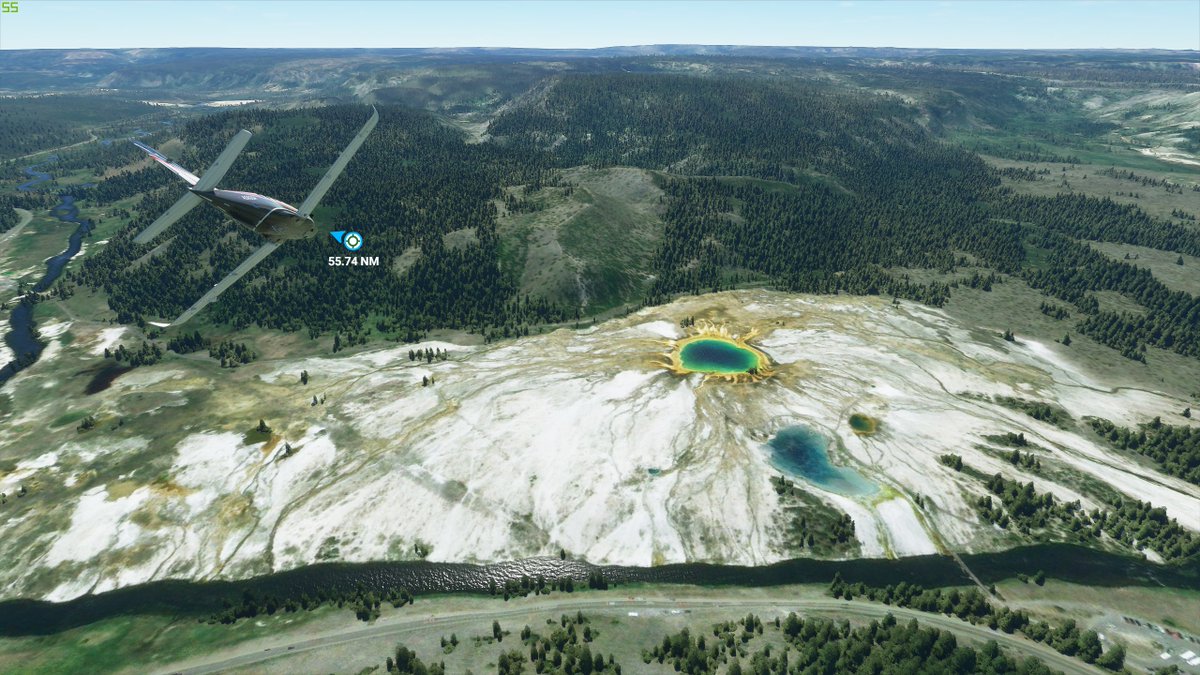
(351, 240)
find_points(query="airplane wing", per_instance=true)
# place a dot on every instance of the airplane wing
(178, 210)
(225, 160)
(314, 197)
(220, 287)
(162, 159)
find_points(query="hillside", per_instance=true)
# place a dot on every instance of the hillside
(581, 441)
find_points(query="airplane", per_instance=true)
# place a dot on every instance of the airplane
(275, 220)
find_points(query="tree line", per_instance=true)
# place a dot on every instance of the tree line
(364, 602)
(804, 186)
(811, 526)
(1132, 523)
(974, 606)
(1073, 270)
(821, 645)
(1174, 449)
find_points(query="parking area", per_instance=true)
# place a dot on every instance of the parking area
(1172, 647)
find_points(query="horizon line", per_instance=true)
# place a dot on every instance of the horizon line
(621, 46)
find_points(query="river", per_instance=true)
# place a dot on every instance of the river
(198, 598)
(21, 338)
(30, 617)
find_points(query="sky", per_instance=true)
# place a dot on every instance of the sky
(962, 24)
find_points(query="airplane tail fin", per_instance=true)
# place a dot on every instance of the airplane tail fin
(201, 184)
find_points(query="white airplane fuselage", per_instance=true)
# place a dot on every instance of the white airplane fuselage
(276, 221)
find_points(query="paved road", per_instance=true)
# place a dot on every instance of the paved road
(61, 147)
(26, 216)
(245, 655)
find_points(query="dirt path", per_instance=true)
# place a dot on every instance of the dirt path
(259, 651)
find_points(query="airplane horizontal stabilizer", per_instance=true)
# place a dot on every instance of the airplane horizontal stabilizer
(162, 159)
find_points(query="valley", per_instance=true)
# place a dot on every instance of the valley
(716, 326)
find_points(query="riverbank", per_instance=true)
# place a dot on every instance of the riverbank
(1074, 564)
(22, 347)
(624, 619)
(574, 440)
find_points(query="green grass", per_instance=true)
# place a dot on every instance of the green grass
(615, 242)
(68, 418)
(1087, 179)
(1084, 602)
(24, 256)
(1095, 151)
(592, 246)
(255, 436)
(150, 641)
(107, 225)
(73, 177)
(1162, 264)
(1014, 305)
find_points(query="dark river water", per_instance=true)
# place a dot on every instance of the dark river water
(20, 338)
(29, 617)
(185, 598)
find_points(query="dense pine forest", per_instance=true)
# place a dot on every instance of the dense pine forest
(31, 124)
(8, 216)
(792, 184)
(415, 181)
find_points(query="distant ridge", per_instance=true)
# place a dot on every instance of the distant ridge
(314, 72)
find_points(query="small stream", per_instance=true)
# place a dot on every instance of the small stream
(21, 338)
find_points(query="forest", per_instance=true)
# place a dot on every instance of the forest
(1174, 449)
(1134, 524)
(792, 184)
(8, 218)
(30, 124)
(820, 645)
(738, 647)
(810, 526)
(973, 606)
